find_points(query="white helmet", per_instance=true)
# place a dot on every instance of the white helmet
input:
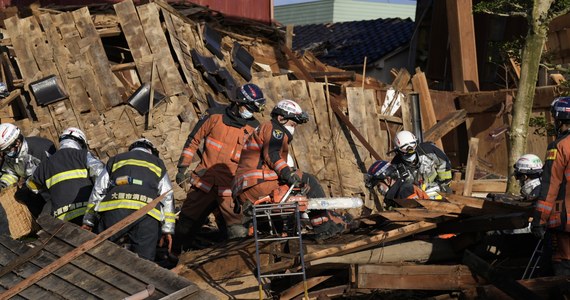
(290, 110)
(405, 142)
(528, 164)
(75, 134)
(9, 133)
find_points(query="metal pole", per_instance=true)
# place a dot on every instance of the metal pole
(416, 116)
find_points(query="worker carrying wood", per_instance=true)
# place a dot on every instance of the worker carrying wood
(263, 170)
(129, 181)
(67, 177)
(553, 207)
(223, 131)
(21, 157)
(422, 164)
(391, 184)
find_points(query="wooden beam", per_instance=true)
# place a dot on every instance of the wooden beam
(13, 96)
(383, 237)
(429, 120)
(300, 287)
(415, 277)
(481, 185)
(22, 285)
(412, 251)
(471, 166)
(462, 45)
(334, 76)
(443, 127)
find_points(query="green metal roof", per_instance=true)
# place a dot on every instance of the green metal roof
(332, 11)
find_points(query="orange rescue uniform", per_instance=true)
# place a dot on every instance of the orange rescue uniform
(553, 204)
(224, 134)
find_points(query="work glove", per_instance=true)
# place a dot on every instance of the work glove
(181, 176)
(289, 177)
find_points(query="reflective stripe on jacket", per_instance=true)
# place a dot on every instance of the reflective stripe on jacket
(264, 156)
(553, 204)
(68, 177)
(147, 179)
(224, 135)
(33, 151)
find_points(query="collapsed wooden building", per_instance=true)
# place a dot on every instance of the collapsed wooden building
(96, 68)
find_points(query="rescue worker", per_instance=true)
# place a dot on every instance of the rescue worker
(553, 208)
(422, 164)
(263, 170)
(68, 176)
(528, 170)
(224, 131)
(21, 157)
(129, 181)
(390, 184)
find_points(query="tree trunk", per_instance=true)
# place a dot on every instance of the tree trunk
(522, 107)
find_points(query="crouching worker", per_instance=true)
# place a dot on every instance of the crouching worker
(390, 184)
(21, 158)
(264, 175)
(67, 176)
(130, 181)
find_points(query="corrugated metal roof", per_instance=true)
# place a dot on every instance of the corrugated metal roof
(261, 11)
(347, 43)
(332, 11)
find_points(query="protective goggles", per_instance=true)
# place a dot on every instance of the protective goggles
(408, 148)
(12, 147)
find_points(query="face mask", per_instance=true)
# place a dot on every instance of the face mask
(529, 186)
(246, 114)
(409, 158)
(12, 154)
(291, 129)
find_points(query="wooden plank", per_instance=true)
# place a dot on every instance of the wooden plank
(471, 166)
(357, 116)
(487, 205)
(27, 65)
(419, 82)
(91, 43)
(462, 45)
(406, 108)
(413, 251)
(82, 248)
(443, 127)
(438, 205)
(73, 85)
(372, 241)
(300, 287)
(482, 185)
(13, 96)
(136, 39)
(419, 277)
(330, 176)
(307, 146)
(167, 70)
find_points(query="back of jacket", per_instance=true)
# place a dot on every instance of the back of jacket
(264, 156)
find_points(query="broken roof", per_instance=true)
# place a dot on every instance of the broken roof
(347, 43)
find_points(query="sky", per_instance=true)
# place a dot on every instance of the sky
(284, 2)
